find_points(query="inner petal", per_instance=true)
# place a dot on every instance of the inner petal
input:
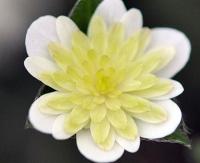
(156, 114)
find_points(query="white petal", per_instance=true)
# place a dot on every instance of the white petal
(111, 10)
(58, 131)
(153, 131)
(133, 21)
(40, 33)
(172, 37)
(37, 65)
(176, 91)
(129, 145)
(65, 27)
(92, 152)
(41, 122)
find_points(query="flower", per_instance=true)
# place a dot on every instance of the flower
(112, 85)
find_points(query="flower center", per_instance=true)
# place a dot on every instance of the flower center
(104, 83)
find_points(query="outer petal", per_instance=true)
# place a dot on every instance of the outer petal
(58, 131)
(153, 131)
(172, 37)
(40, 33)
(37, 66)
(111, 10)
(41, 122)
(132, 20)
(92, 152)
(65, 27)
(129, 145)
(177, 90)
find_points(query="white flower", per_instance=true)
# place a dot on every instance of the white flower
(112, 86)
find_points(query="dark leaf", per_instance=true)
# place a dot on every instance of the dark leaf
(82, 12)
(180, 136)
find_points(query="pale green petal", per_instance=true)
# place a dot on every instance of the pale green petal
(133, 70)
(88, 103)
(61, 55)
(156, 114)
(98, 114)
(100, 131)
(73, 73)
(134, 104)
(55, 103)
(161, 88)
(147, 81)
(76, 120)
(144, 38)
(79, 116)
(129, 49)
(80, 41)
(99, 99)
(115, 39)
(109, 141)
(113, 103)
(73, 128)
(167, 54)
(98, 33)
(129, 85)
(63, 81)
(156, 59)
(117, 118)
(130, 131)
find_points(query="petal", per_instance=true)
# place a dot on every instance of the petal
(153, 131)
(132, 20)
(155, 115)
(40, 121)
(97, 32)
(109, 141)
(91, 151)
(77, 119)
(55, 103)
(40, 33)
(176, 91)
(100, 131)
(177, 39)
(98, 114)
(131, 146)
(111, 10)
(130, 131)
(64, 82)
(80, 42)
(79, 115)
(160, 88)
(117, 118)
(41, 69)
(58, 131)
(115, 38)
(113, 103)
(65, 27)
(134, 104)
(128, 50)
(157, 58)
(61, 55)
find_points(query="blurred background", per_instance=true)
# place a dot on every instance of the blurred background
(18, 88)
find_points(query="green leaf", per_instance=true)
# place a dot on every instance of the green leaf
(82, 12)
(180, 136)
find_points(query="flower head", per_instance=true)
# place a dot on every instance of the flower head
(112, 85)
